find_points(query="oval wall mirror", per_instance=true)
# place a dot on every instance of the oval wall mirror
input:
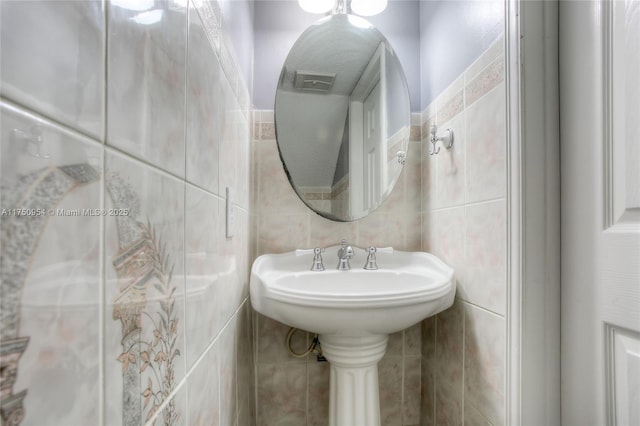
(343, 117)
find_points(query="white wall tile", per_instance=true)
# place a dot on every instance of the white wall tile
(203, 267)
(203, 108)
(485, 274)
(486, 147)
(146, 87)
(204, 389)
(484, 363)
(52, 60)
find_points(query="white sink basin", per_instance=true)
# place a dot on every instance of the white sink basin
(407, 288)
(353, 311)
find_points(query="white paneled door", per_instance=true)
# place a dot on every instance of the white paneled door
(600, 168)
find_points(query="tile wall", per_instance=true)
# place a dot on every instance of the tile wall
(464, 223)
(122, 299)
(296, 390)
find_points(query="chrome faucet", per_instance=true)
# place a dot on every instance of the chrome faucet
(345, 253)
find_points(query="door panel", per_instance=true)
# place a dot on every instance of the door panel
(600, 151)
(371, 156)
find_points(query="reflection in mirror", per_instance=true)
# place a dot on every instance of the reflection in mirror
(342, 117)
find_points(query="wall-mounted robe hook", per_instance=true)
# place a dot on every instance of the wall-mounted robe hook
(402, 157)
(446, 140)
(34, 141)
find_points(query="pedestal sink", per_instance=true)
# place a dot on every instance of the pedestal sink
(354, 312)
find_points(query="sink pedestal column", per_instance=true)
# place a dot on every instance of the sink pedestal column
(354, 394)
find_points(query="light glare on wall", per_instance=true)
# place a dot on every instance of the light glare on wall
(316, 6)
(368, 7)
(137, 5)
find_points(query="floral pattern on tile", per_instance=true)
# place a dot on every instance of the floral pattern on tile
(74, 348)
(146, 290)
(50, 270)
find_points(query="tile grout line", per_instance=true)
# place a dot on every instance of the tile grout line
(184, 207)
(103, 233)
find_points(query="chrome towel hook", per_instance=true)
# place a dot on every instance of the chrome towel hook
(447, 140)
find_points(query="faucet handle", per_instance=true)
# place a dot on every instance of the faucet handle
(317, 259)
(371, 263)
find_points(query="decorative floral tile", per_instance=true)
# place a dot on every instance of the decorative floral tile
(50, 271)
(145, 290)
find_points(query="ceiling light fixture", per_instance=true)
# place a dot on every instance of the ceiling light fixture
(368, 7)
(316, 6)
